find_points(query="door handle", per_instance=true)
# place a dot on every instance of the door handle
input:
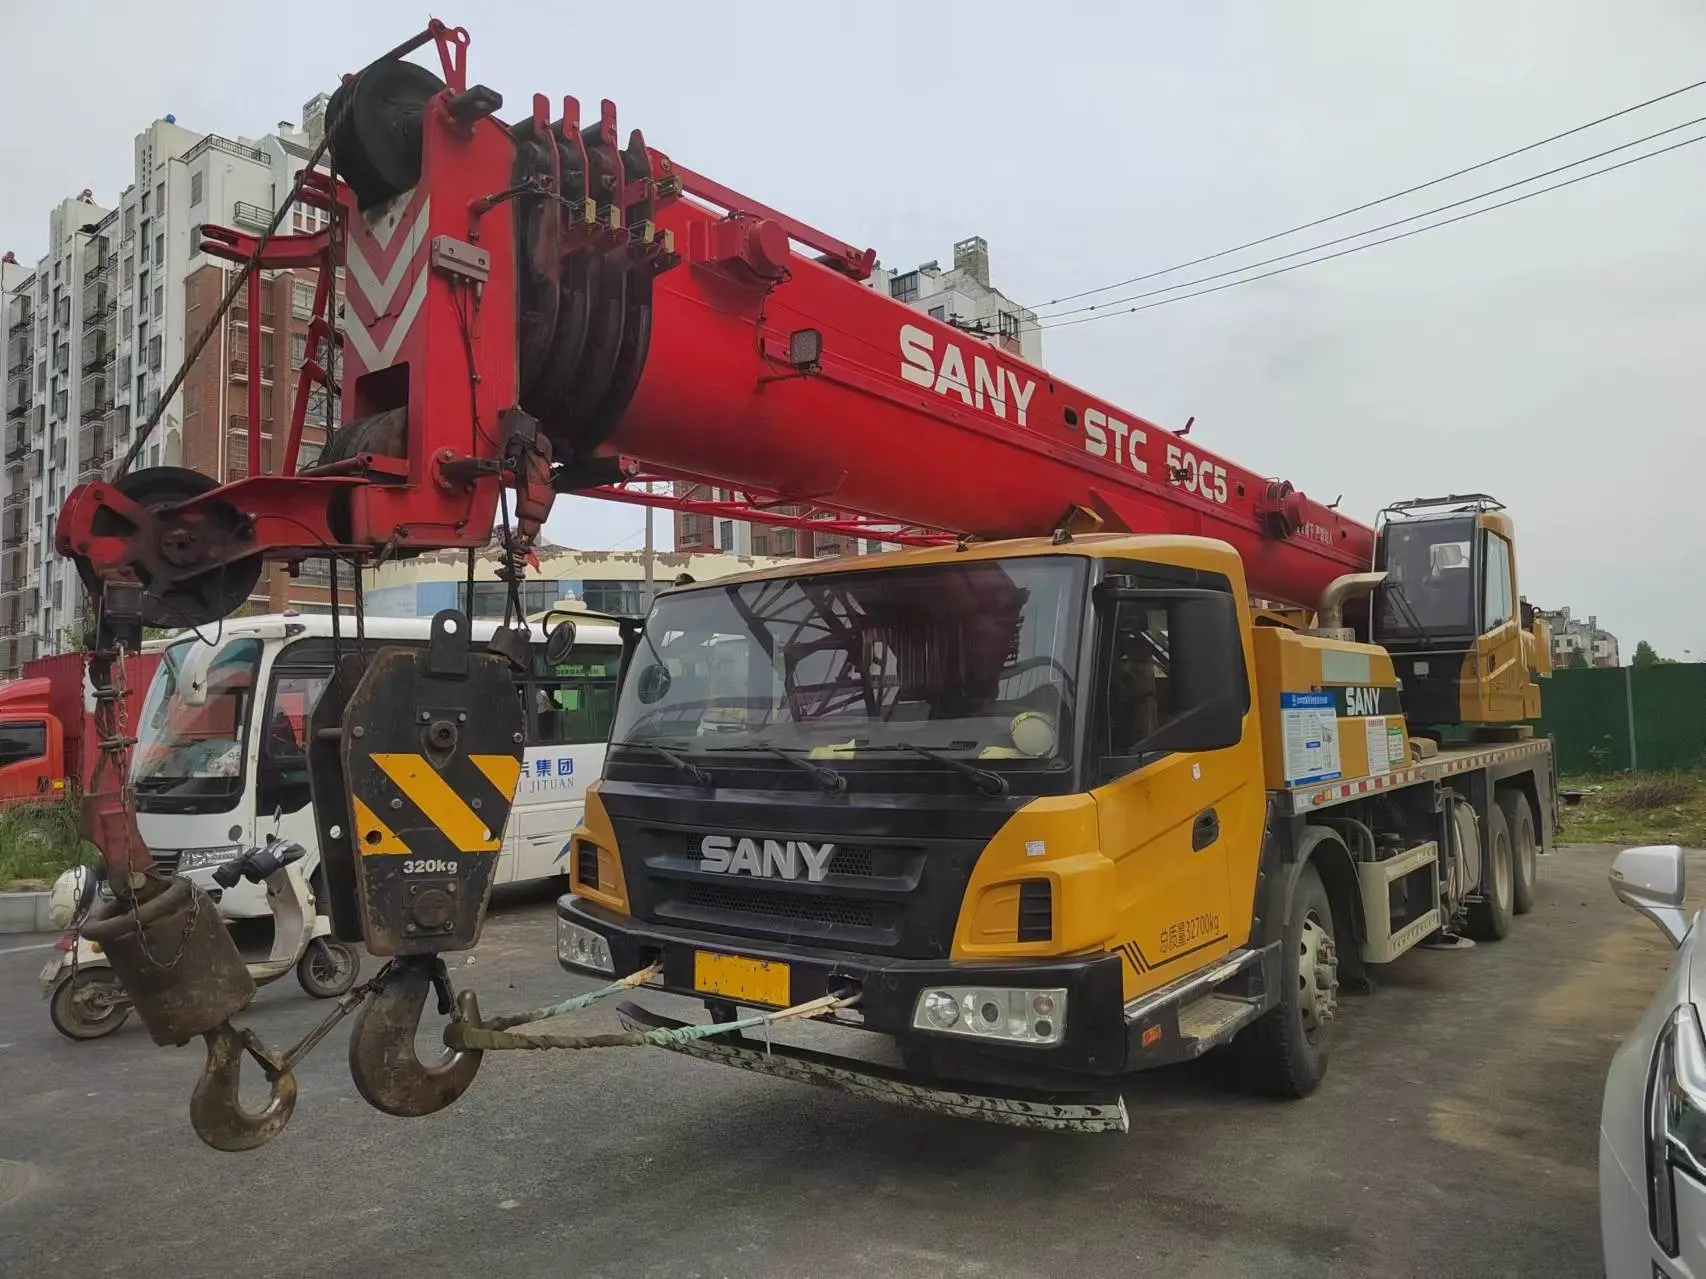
(1205, 830)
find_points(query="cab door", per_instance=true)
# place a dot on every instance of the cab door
(1500, 670)
(1174, 821)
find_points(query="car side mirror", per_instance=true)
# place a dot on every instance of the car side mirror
(1654, 880)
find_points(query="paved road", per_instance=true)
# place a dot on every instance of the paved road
(1455, 1135)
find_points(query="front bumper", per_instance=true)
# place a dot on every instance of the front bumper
(1094, 1041)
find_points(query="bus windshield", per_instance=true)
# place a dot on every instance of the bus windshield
(189, 758)
(949, 655)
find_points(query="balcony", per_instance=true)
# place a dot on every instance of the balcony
(98, 357)
(12, 529)
(17, 447)
(18, 399)
(254, 216)
(103, 266)
(213, 142)
(100, 302)
(23, 319)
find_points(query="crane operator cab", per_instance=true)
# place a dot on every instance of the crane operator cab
(1466, 647)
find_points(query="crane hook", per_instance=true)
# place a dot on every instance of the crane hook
(382, 1059)
(217, 1113)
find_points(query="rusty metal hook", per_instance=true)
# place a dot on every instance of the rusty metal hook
(382, 1059)
(217, 1113)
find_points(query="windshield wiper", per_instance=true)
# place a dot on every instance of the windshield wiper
(687, 766)
(992, 784)
(827, 778)
(1401, 598)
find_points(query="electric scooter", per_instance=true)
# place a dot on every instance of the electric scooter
(86, 1000)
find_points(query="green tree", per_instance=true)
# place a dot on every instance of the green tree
(1645, 655)
(1578, 660)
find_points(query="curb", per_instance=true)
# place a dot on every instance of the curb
(24, 913)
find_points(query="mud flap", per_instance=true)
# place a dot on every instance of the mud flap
(1018, 1108)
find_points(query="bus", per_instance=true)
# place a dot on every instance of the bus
(220, 759)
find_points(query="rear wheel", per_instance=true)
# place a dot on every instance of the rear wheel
(1490, 917)
(1284, 1054)
(88, 1004)
(1525, 849)
(328, 968)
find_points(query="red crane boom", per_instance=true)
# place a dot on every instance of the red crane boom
(535, 299)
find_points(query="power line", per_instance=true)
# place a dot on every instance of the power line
(1385, 199)
(1374, 230)
(1402, 235)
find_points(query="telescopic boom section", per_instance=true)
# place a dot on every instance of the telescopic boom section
(540, 305)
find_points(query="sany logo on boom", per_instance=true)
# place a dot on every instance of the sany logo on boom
(989, 386)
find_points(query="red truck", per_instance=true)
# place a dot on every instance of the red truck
(47, 733)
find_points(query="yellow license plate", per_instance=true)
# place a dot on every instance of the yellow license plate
(751, 981)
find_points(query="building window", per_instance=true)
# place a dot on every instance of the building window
(160, 198)
(195, 189)
(725, 535)
(160, 249)
(159, 299)
(625, 599)
(938, 313)
(129, 267)
(130, 220)
(141, 391)
(128, 318)
(1009, 324)
(872, 546)
(155, 352)
(142, 289)
(145, 243)
(904, 288)
(785, 541)
(298, 350)
(145, 209)
(760, 544)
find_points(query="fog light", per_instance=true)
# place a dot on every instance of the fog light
(582, 948)
(984, 1012)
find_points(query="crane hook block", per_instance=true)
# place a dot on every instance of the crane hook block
(387, 1072)
(431, 747)
(176, 961)
(217, 1113)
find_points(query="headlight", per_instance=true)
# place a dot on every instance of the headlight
(1676, 1120)
(993, 1012)
(205, 858)
(583, 948)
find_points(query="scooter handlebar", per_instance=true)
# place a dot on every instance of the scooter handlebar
(256, 864)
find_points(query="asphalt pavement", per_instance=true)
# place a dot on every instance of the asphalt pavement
(1455, 1135)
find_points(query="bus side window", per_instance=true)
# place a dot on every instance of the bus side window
(574, 703)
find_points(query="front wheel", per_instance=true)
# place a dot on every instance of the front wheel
(88, 1004)
(1284, 1054)
(328, 968)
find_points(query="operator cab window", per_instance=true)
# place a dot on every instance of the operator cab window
(1497, 604)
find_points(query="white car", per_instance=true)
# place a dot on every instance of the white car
(1652, 1127)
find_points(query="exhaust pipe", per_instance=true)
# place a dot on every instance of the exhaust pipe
(1330, 613)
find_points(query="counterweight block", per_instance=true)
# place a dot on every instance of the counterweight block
(431, 753)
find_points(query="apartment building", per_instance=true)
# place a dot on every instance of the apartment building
(96, 332)
(962, 297)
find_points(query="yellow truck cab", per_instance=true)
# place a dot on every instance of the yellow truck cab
(1053, 809)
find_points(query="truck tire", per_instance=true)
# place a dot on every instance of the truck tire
(1525, 861)
(1490, 917)
(1284, 1054)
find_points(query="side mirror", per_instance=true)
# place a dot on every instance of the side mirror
(560, 643)
(1654, 880)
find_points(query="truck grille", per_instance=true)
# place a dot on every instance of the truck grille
(847, 912)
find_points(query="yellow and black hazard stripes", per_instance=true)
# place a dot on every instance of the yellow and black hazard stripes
(410, 807)
(1134, 957)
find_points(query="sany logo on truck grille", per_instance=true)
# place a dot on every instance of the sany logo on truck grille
(767, 859)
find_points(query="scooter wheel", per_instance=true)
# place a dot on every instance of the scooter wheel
(88, 1005)
(328, 968)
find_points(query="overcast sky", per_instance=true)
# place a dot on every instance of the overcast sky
(1550, 353)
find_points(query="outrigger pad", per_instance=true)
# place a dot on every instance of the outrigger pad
(1019, 1108)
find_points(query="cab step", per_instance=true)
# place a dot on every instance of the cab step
(1214, 1019)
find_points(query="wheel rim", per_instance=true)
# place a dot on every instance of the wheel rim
(1317, 976)
(1530, 866)
(93, 1002)
(326, 965)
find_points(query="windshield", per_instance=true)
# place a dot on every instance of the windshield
(190, 758)
(1430, 576)
(949, 656)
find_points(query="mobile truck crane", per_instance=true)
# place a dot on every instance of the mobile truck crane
(1137, 753)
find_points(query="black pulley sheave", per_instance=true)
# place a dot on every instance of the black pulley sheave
(375, 122)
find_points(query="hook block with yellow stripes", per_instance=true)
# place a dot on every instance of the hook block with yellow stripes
(431, 751)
